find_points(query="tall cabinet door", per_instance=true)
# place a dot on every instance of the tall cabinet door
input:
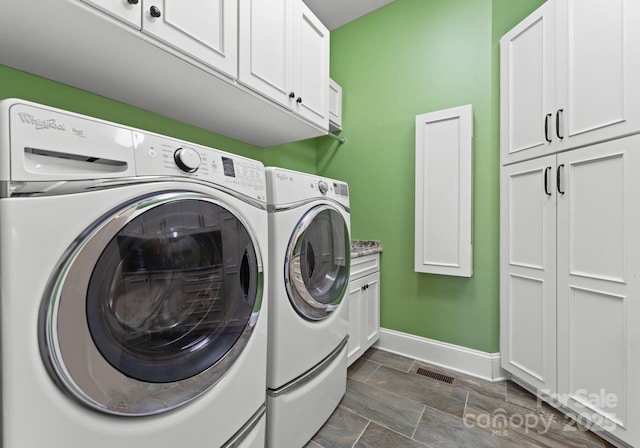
(204, 29)
(266, 47)
(527, 86)
(599, 284)
(598, 70)
(311, 70)
(528, 272)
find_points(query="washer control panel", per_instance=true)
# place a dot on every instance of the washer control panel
(162, 156)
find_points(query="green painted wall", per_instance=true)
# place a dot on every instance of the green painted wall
(408, 58)
(18, 84)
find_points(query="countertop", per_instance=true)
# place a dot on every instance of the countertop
(360, 248)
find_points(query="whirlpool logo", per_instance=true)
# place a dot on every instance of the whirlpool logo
(40, 123)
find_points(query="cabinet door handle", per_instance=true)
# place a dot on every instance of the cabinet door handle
(299, 100)
(155, 12)
(133, 2)
(558, 123)
(546, 180)
(292, 95)
(546, 128)
(558, 178)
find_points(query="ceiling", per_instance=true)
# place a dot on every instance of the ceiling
(335, 13)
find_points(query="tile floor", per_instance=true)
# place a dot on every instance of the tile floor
(388, 406)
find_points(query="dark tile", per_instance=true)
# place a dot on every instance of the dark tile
(388, 409)
(541, 426)
(376, 436)
(440, 430)
(518, 395)
(362, 369)
(420, 389)
(341, 430)
(389, 359)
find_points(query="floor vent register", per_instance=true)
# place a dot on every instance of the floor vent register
(435, 376)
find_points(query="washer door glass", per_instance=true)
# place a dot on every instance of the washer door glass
(170, 289)
(317, 263)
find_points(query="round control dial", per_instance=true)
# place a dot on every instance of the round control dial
(187, 159)
(323, 187)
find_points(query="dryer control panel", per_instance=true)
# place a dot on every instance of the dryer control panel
(288, 187)
(162, 156)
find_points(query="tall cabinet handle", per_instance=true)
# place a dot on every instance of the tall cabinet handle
(558, 123)
(546, 181)
(558, 174)
(546, 128)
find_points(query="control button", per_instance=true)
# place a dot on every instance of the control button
(323, 187)
(152, 153)
(187, 159)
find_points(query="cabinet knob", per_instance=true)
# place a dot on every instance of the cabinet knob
(299, 100)
(133, 2)
(292, 95)
(155, 12)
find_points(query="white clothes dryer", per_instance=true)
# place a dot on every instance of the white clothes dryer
(133, 271)
(309, 257)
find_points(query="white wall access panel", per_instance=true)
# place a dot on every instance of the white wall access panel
(444, 190)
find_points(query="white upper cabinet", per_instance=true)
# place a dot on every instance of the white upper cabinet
(311, 66)
(266, 47)
(207, 30)
(570, 77)
(527, 86)
(335, 106)
(284, 55)
(129, 11)
(180, 59)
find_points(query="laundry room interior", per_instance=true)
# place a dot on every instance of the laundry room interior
(394, 61)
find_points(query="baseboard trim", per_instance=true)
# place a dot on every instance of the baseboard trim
(454, 357)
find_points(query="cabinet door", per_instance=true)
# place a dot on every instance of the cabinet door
(371, 311)
(311, 67)
(598, 70)
(599, 284)
(206, 30)
(356, 329)
(124, 10)
(266, 47)
(528, 272)
(527, 86)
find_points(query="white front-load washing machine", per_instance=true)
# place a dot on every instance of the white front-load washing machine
(133, 287)
(309, 257)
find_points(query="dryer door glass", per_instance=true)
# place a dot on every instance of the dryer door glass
(163, 295)
(317, 263)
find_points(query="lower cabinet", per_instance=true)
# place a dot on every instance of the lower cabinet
(570, 282)
(364, 305)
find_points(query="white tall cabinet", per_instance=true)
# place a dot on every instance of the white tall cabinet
(569, 210)
(569, 76)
